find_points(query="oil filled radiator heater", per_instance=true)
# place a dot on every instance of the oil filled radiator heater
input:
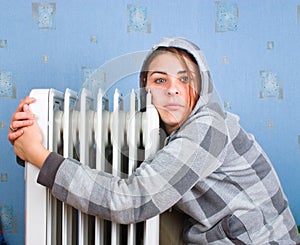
(80, 127)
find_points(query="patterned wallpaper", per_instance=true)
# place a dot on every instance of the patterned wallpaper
(252, 48)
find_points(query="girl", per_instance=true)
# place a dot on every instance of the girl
(209, 168)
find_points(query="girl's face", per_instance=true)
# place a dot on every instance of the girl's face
(174, 88)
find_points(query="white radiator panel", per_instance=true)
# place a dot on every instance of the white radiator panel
(69, 236)
(89, 130)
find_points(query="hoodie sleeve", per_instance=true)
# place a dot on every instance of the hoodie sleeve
(48, 171)
(154, 187)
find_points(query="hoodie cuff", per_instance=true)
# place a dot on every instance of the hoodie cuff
(49, 169)
(20, 161)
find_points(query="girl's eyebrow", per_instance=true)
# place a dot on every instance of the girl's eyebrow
(165, 73)
(159, 72)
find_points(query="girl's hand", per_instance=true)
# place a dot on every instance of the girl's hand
(29, 146)
(22, 117)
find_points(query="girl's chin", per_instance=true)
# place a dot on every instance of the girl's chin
(174, 117)
(171, 121)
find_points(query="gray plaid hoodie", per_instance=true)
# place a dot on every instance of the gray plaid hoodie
(210, 169)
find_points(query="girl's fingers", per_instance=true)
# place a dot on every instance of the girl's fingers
(26, 101)
(12, 136)
(23, 116)
(15, 125)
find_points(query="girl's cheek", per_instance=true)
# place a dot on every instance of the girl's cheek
(156, 92)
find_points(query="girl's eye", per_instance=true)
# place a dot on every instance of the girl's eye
(184, 79)
(160, 80)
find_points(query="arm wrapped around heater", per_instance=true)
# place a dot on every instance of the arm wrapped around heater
(158, 184)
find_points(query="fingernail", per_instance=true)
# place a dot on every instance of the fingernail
(25, 107)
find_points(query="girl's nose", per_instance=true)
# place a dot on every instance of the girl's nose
(172, 89)
(172, 92)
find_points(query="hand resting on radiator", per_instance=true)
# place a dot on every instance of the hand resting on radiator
(22, 117)
(25, 135)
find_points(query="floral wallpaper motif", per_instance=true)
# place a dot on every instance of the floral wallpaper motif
(44, 14)
(226, 16)
(7, 88)
(270, 87)
(138, 20)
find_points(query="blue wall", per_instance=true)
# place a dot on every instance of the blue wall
(252, 48)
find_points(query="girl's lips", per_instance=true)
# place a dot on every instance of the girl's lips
(173, 106)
